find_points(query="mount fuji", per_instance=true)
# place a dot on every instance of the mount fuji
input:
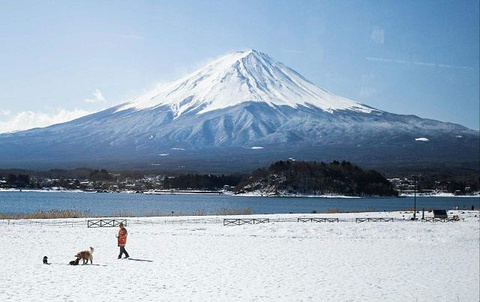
(243, 110)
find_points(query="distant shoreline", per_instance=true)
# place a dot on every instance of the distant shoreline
(199, 192)
(439, 195)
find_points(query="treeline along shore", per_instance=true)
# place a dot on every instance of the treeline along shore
(282, 178)
(316, 178)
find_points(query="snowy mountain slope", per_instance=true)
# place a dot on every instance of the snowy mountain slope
(240, 101)
(240, 77)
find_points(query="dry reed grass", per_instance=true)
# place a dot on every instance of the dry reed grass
(337, 210)
(333, 211)
(56, 214)
(51, 214)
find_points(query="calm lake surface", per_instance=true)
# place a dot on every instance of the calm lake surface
(140, 204)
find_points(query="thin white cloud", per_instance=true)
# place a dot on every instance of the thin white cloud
(418, 63)
(368, 77)
(368, 88)
(378, 35)
(378, 59)
(425, 64)
(4, 112)
(32, 119)
(366, 92)
(98, 97)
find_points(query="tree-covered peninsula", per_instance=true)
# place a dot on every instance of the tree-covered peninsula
(290, 177)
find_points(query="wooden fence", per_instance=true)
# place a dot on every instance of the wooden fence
(238, 221)
(317, 219)
(100, 223)
(372, 219)
(436, 219)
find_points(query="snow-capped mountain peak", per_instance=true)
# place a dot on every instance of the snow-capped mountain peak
(241, 77)
(268, 112)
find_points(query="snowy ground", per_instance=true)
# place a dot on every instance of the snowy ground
(199, 259)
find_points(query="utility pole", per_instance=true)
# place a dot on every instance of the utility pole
(415, 199)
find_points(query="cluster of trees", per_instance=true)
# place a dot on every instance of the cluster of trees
(299, 177)
(101, 175)
(196, 181)
(18, 181)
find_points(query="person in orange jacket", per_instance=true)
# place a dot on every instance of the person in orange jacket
(122, 240)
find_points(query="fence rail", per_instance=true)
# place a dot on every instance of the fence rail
(100, 223)
(317, 219)
(238, 221)
(373, 219)
(437, 219)
(114, 222)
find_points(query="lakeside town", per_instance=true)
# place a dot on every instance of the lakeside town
(102, 181)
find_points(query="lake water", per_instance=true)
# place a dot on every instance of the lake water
(140, 204)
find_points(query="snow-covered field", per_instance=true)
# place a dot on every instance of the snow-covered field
(199, 259)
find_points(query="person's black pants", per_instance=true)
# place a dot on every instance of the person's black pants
(123, 251)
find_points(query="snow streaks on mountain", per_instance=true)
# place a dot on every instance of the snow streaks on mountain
(241, 77)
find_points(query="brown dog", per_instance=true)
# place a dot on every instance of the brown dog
(85, 256)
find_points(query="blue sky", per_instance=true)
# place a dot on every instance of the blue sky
(62, 59)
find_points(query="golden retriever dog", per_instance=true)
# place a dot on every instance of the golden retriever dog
(85, 256)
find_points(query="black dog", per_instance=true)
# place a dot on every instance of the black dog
(75, 262)
(45, 260)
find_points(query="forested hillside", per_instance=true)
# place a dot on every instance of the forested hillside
(316, 178)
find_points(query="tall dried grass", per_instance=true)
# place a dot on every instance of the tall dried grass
(51, 214)
(337, 210)
(56, 214)
(333, 211)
